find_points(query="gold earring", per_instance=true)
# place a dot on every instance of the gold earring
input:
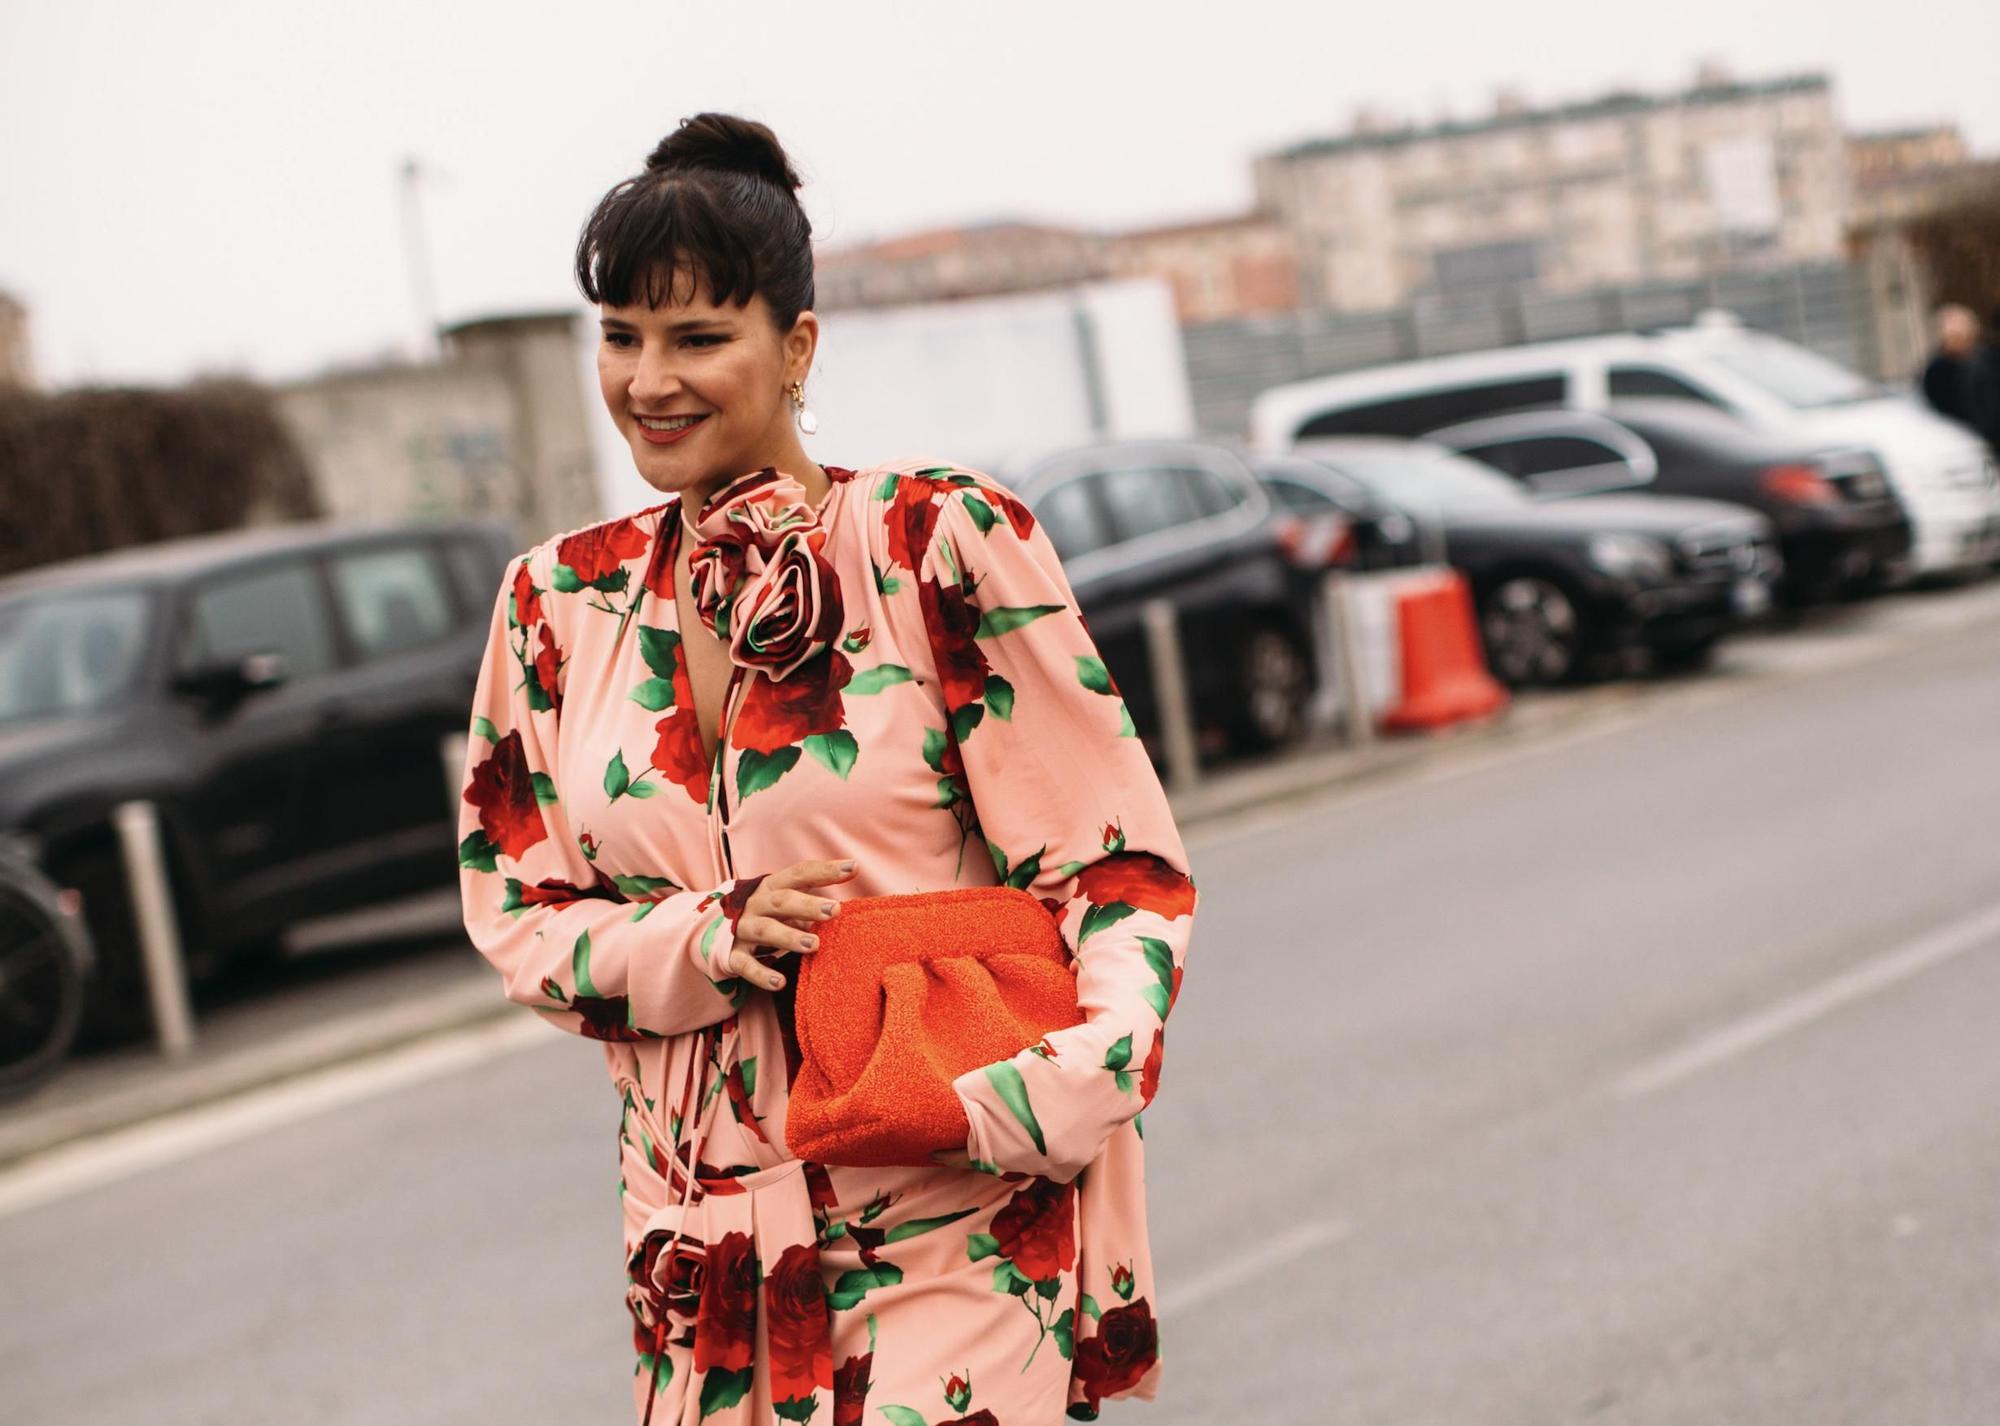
(807, 422)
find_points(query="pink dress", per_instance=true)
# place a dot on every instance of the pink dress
(911, 685)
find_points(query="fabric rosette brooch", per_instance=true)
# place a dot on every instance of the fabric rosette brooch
(760, 580)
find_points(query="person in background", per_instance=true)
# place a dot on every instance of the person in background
(1946, 378)
(1982, 383)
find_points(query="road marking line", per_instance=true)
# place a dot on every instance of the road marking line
(1789, 1014)
(106, 1158)
(1202, 1289)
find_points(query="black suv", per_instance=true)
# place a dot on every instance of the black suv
(283, 695)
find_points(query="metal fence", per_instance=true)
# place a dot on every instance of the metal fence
(1826, 307)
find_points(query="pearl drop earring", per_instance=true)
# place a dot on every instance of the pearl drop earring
(808, 423)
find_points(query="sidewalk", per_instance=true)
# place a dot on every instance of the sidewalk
(388, 976)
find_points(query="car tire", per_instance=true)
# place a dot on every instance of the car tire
(1688, 657)
(1534, 633)
(1272, 690)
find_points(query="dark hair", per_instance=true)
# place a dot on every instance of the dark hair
(718, 195)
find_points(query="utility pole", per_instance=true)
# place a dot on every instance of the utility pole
(416, 253)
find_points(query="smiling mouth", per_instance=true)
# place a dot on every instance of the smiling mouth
(670, 423)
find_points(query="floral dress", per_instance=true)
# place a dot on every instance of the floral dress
(911, 685)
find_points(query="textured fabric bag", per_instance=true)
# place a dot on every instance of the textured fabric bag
(906, 993)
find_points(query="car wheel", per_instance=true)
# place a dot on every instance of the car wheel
(1686, 658)
(1532, 631)
(1273, 690)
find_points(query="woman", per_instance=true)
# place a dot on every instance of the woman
(683, 759)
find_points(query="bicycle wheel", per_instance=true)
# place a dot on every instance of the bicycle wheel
(44, 967)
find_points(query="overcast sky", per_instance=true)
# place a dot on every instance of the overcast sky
(190, 186)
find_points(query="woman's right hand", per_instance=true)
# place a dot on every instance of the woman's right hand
(776, 915)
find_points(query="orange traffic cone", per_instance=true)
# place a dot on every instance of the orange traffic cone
(1444, 670)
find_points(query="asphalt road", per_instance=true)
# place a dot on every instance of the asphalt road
(1645, 1075)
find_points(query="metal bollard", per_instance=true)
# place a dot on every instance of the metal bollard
(1170, 695)
(1336, 619)
(138, 827)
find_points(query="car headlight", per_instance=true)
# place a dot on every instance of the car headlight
(1628, 555)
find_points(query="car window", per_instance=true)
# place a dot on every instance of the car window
(65, 651)
(1212, 493)
(1437, 407)
(391, 599)
(1538, 455)
(477, 569)
(275, 608)
(1295, 496)
(1651, 381)
(1145, 500)
(1072, 517)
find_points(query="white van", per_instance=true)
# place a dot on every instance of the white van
(1941, 471)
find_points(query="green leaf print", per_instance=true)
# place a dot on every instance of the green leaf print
(756, 771)
(836, 750)
(564, 580)
(545, 788)
(979, 1246)
(874, 680)
(478, 853)
(1065, 1331)
(1013, 1091)
(903, 1416)
(917, 1226)
(801, 1409)
(1008, 1278)
(1159, 956)
(662, 1369)
(579, 966)
(885, 489)
(655, 695)
(538, 698)
(639, 888)
(642, 789)
(1120, 1054)
(934, 746)
(660, 648)
(1098, 917)
(1026, 870)
(616, 779)
(1000, 696)
(1125, 728)
(1092, 674)
(981, 513)
(721, 1390)
(1090, 1306)
(995, 622)
(482, 728)
(966, 719)
(851, 1287)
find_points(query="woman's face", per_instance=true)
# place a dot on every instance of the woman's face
(727, 366)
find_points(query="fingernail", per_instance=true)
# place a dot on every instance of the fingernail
(826, 908)
(847, 866)
(812, 941)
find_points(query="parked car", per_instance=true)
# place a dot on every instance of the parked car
(1563, 589)
(1839, 525)
(1943, 474)
(282, 696)
(1186, 521)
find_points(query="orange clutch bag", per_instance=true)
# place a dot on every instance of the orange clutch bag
(906, 993)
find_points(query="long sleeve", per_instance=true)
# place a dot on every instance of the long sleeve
(1071, 809)
(607, 957)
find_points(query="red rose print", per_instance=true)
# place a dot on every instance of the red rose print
(737, 899)
(595, 554)
(775, 715)
(1124, 1349)
(527, 599)
(678, 753)
(605, 1017)
(1037, 1229)
(1149, 1073)
(1121, 1280)
(1138, 879)
(977, 1418)
(503, 790)
(726, 1322)
(561, 893)
(796, 1321)
(957, 1393)
(717, 568)
(659, 575)
(850, 1390)
(953, 621)
(912, 517)
(548, 660)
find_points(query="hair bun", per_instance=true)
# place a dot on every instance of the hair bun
(725, 142)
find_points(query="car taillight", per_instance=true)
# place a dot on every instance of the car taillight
(1799, 484)
(1316, 543)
